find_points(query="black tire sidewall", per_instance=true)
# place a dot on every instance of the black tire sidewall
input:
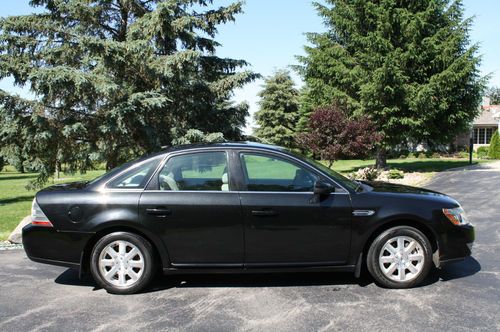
(376, 247)
(147, 252)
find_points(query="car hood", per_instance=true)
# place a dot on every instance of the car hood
(67, 186)
(386, 187)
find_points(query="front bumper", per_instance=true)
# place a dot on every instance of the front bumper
(47, 245)
(456, 243)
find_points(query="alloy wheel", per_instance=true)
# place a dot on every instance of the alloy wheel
(121, 263)
(401, 258)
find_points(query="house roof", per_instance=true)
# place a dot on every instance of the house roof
(489, 116)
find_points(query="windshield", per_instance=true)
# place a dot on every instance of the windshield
(342, 180)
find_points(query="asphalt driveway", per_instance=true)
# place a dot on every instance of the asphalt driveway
(462, 296)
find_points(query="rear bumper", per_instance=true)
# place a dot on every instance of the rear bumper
(49, 246)
(456, 244)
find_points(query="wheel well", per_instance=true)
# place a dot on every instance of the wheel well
(415, 224)
(85, 259)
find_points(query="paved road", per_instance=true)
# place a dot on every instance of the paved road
(463, 296)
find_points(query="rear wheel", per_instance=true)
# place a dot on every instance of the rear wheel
(122, 263)
(400, 257)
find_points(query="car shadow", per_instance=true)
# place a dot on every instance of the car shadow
(469, 266)
(457, 270)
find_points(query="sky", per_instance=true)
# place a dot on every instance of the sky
(270, 34)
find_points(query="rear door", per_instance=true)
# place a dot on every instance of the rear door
(195, 210)
(284, 223)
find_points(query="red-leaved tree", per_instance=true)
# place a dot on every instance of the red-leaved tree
(333, 135)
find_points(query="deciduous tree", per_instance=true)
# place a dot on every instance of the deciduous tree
(494, 94)
(332, 135)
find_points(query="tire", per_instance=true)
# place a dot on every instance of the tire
(393, 268)
(126, 258)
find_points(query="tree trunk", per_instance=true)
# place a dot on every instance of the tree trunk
(111, 161)
(58, 169)
(381, 161)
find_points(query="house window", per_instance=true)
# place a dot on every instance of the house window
(489, 133)
(476, 135)
(483, 135)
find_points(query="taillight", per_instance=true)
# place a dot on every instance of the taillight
(38, 217)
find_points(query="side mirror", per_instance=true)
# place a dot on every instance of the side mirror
(321, 188)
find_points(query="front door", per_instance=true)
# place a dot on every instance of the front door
(284, 223)
(195, 212)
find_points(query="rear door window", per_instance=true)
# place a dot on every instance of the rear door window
(200, 171)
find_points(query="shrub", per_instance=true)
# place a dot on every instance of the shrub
(367, 173)
(422, 155)
(436, 155)
(463, 154)
(395, 174)
(494, 149)
(402, 156)
(411, 155)
(482, 152)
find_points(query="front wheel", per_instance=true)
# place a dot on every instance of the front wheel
(122, 263)
(400, 257)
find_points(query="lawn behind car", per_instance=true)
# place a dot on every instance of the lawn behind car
(423, 165)
(15, 200)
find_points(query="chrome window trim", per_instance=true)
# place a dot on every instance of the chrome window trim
(219, 191)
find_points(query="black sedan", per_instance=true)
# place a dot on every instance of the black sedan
(242, 207)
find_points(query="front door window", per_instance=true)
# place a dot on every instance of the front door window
(269, 173)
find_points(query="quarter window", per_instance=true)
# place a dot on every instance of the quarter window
(197, 172)
(136, 177)
(269, 173)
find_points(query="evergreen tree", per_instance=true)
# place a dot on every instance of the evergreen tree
(407, 65)
(494, 148)
(278, 110)
(306, 108)
(114, 79)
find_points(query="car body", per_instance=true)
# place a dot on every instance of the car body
(243, 207)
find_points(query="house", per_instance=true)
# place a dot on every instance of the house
(486, 124)
(483, 127)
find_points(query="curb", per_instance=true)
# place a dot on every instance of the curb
(10, 246)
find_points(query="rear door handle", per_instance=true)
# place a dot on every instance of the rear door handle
(159, 211)
(264, 213)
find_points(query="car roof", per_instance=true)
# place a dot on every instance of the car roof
(231, 145)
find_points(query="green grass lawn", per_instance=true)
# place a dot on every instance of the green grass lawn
(15, 200)
(407, 165)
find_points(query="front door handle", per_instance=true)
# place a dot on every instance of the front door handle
(264, 213)
(159, 211)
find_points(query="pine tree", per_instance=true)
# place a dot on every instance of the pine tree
(494, 148)
(114, 79)
(407, 65)
(278, 110)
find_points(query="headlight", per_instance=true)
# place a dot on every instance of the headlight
(456, 215)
